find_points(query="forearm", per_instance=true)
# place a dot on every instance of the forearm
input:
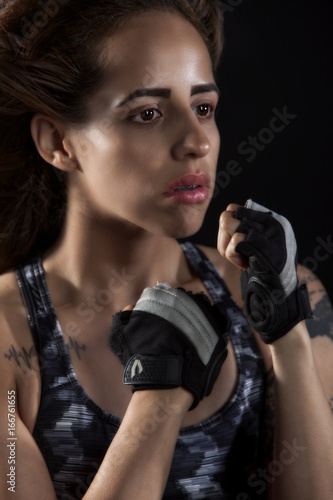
(303, 422)
(138, 461)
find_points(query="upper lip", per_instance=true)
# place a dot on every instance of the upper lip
(200, 180)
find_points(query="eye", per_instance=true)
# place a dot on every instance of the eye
(146, 116)
(204, 110)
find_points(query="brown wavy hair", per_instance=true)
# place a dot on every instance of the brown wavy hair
(49, 64)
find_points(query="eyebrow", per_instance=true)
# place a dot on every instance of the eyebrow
(203, 88)
(160, 92)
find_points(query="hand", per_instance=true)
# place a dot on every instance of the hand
(172, 338)
(263, 245)
(228, 238)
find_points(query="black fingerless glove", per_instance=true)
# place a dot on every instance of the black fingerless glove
(172, 338)
(273, 301)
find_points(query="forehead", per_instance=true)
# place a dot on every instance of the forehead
(155, 48)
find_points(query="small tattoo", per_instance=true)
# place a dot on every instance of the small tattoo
(22, 356)
(322, 322)
(313, 293)
(73, 344)
(309, 278)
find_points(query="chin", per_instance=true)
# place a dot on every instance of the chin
(184, 222)
(184, 228)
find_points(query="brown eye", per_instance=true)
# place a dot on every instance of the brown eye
(204, 110)
(147, 115)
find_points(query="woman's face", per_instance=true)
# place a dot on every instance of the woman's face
(149, 149)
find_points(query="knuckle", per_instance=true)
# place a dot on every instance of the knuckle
(237, 238)
(232, 207)
(229, 252)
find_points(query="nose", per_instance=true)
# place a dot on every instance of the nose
(190, 138)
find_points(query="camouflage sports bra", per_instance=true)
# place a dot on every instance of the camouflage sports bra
(213, 459)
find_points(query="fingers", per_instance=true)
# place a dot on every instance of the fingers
(129, 308)
(232, 207)
(235, 257)
(228, 226)
(228, 238)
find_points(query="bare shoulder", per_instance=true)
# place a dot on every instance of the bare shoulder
(320, 327)
(12, 310)
(8, 287)
(19, 397)
(7, 324)
(15, 338)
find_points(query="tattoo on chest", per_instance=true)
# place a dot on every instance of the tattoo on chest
(73, 344)
(23, 357)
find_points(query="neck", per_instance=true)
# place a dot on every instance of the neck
(94, 255)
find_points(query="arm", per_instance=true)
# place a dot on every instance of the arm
(21, 462)
(307, 361)
(138, 459)
(303, 420)
(302, 457)
(136, 465)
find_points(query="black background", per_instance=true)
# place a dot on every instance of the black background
(278, 54)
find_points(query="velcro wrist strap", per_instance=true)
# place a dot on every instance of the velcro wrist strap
(172, 338)
(154, 371)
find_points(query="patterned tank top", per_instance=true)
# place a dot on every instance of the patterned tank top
(212, 460)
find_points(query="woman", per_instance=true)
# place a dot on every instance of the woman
(119, 98)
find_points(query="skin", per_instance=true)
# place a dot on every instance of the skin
(118, 216)
(118, 220)
(298, 390)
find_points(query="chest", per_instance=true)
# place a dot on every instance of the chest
(100, 373)
(200, 453)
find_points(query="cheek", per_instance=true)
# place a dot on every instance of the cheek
(215, 141)
(114, 170)
(114, 150)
